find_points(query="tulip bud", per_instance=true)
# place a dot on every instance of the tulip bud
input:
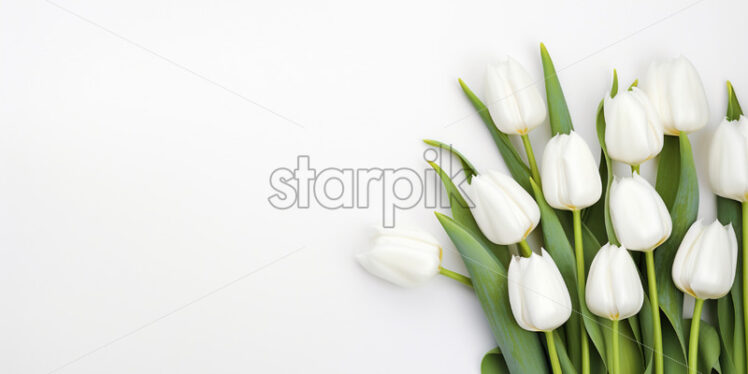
(728, 160)
(512, 98)
(704, 266)
(614, 290)
(675, 88)
(404, 257)
(504, 211)
(640, 217)
(633, 132)
(537, 293)
(570, 177)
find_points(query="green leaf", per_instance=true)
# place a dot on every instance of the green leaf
(645, 319)
(493, 363)
(733, 106)
(730, 309)
(685, 206)
(668, 171)
(598, 215)
(708, 356)
(558, 246)
(731, 333)
(674, 357)
(462, 214)
(522, 349)
(558, 111)
(594, 216)
(519, 170)
(466, 165)
(600, 124)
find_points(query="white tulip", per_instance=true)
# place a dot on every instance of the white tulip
(728, 160)
(675, 88)
(513, 98)
(537, 293)
(504, 211)
(570, 177)
(614, 290)
(704, 266)
(633, 132)
(404, 257)
(640, 217)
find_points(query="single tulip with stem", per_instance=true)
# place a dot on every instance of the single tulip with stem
(538, 297)
(614, 290)
(728, 174)
(642, 222)
(406, 258)
(571, 182)
(704, 267)
(515, 103)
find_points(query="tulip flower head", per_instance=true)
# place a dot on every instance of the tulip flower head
(537, 293)
(614, 290)
(513, 98)
(633, 132)
(675, 89)
(728, 160)
(404, 257)
(504, 211)
(640, 217)
(704, 266)
(569, 172)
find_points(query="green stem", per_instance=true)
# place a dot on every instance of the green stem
(652, 281)
(635, 169)
(693, 342)
(531, 158)
(555, 364)
(745, 273)
(525, 248)
(456, 276)
(616, 350)
(579, 253)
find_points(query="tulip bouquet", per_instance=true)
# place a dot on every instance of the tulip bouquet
(604, 291)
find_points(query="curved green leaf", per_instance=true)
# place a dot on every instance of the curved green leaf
(734, 111)
(466, 165)
(462, 214)
(600, 124)
(522, 349)
(684, 208)
(594, 216)
(646, 324)
(493, 363)
(730, 309)
(674, 358)
(519, 170)
(668, 171)
(558, 111)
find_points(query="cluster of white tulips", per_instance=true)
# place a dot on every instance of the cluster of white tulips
(634, 124)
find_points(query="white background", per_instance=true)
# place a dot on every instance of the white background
(135, 231)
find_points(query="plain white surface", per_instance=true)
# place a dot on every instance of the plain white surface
(133, 197)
